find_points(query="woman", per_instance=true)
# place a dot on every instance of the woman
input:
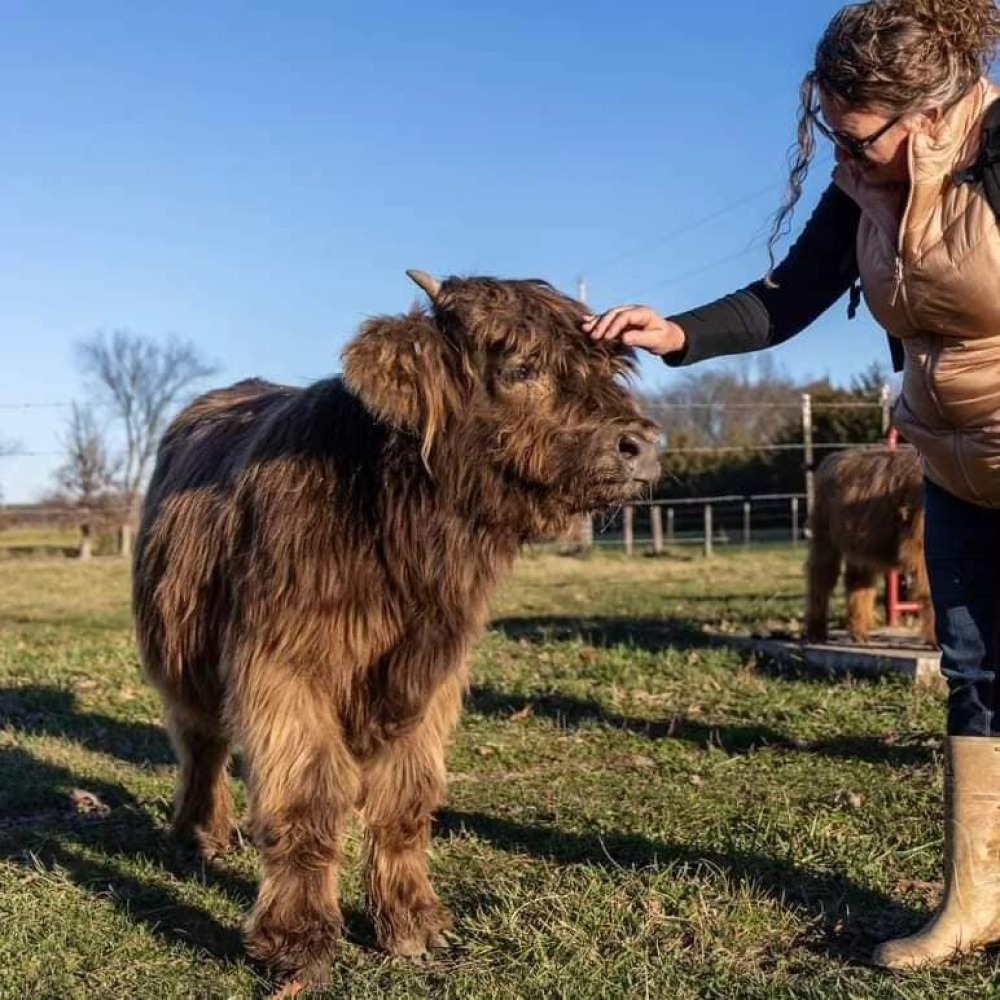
(899, 88)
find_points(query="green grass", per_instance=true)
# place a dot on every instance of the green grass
(632, 813)
(29, 537)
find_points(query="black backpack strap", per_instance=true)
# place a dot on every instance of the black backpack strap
(896, 352)
(986, 169)
(990, 156)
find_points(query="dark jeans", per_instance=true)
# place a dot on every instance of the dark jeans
(962, 545)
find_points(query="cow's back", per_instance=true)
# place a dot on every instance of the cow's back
(263, 511)
(183, 549)
(869, 502)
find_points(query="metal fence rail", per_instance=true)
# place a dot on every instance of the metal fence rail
(654, 525)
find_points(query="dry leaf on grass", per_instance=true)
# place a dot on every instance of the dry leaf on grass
(293, 988)
(87, 803)
(848, 800)
(641, 762)
(918, 885)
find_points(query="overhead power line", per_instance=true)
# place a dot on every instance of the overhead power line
(676, 279)
(34, 406)
(687, 227)
(692, 225)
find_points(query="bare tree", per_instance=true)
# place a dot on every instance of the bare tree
(739, 404)
(8, 446)
(89, 475)
(141, 381)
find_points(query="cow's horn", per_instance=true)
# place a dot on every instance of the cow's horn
(428, 283)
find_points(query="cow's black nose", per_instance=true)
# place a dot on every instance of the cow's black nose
(640, 457)
(630, 447)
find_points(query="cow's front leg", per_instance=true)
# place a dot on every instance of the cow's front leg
(303, 784)
(406, 680)
(402, 785)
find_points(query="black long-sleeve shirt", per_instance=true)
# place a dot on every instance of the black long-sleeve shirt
(819, 268)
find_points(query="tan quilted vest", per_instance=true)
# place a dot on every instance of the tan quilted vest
(930, 270)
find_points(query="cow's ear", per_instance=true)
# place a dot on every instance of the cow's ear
(399, 367)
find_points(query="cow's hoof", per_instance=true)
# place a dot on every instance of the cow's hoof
(418, 933)
(317, 976)
(304, 955)
(210, 842)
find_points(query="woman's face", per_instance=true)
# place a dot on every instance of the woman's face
(877, 142)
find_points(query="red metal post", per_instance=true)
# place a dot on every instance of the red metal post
(895, 608)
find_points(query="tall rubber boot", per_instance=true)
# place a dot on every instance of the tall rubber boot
(969, 915)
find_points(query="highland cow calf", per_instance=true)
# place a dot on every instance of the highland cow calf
(313, 565)
(868, 512)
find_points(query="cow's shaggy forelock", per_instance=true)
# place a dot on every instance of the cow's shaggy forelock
(455, 367)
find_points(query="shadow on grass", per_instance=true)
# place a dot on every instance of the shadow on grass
(95, 840)
(54, 711)
(656, 635)
(852, 917)
(569, 712)
(94, 849)
(37, 816)
(653, 634)
(97, 851)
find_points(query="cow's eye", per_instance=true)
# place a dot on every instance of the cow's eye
(520, 373)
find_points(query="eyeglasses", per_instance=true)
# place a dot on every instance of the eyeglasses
(856, 148)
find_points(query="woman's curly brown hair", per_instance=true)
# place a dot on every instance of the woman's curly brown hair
(894, 57)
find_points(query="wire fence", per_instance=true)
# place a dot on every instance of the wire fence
(706, 522)
(652, 526)
(710, 522)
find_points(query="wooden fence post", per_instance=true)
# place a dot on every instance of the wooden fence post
(86, 550)
(628, 526)
(885, 397)
(125, 541)
(656, 520)
(708, 529)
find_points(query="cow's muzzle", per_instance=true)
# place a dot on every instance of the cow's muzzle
(639, 457)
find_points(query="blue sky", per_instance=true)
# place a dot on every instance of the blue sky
(258, 177)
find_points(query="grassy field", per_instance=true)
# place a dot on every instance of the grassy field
(26, 542)
(633, 813)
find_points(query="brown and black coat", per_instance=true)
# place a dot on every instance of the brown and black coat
(314, 564)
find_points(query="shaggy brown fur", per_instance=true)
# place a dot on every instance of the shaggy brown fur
(868, 512)
(313, 565)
